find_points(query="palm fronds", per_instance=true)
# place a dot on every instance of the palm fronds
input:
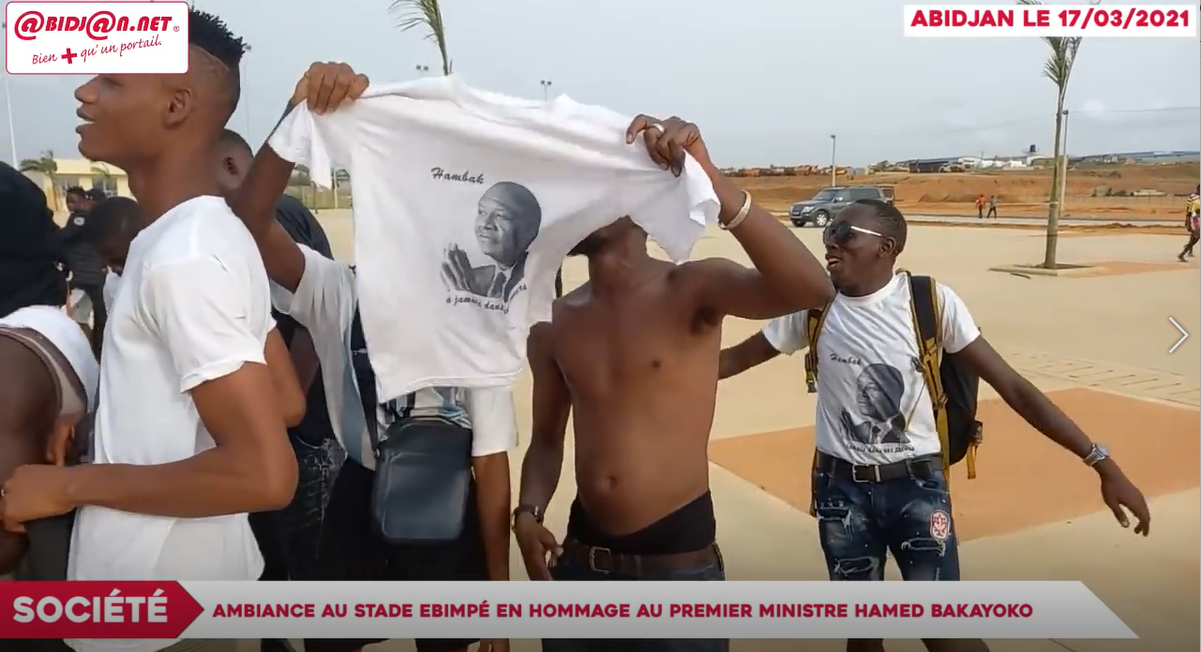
(425, 14)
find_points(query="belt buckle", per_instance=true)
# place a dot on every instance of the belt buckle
(592, 554)
(873, 476)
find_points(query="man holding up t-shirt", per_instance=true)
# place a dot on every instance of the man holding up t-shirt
(322, 295)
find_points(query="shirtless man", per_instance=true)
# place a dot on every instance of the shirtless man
(634, 354)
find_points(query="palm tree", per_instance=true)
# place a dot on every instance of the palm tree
(426, 14)
(1058, 69)
(48, 167)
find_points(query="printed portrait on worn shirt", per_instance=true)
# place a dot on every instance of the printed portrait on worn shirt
(507, 221)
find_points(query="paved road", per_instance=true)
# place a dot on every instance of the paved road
(1035, 221)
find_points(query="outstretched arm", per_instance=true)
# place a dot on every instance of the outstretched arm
(786, 278)
(746, 355)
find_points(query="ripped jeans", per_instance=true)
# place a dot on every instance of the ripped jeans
(860, 522)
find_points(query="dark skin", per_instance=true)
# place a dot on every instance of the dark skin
(233, 164)
(31, 430)
(867, 263)
(325, 88)
(633, 353)
(156, 127)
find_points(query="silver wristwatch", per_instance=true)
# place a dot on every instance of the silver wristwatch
(1097, 454)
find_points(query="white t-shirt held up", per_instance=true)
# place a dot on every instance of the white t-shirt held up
(872, 403)
(466, 203)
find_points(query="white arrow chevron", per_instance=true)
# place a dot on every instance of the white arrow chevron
(1183, 335)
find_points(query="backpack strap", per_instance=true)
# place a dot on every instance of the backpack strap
(364, 377)
(814, 318)
(927, 324)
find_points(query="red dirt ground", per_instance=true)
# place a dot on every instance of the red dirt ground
(1020, 193)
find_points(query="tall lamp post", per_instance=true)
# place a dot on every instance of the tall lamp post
(546, 84)
(8, 102)
(421, 70)
(833, 160)
(245, 84)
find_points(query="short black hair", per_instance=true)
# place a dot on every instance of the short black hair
(77, 191)
(210, 34)
(114, 217)
(233, 140)
(892, 222)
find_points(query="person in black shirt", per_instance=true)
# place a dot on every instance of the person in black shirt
(29, 247)
(289, 538)
(87, 274)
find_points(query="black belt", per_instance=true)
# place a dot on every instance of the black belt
(603, 560)
(926, 467)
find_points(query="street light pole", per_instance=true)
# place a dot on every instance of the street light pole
(546, 84)
(245, 79)
(12, 132)
(833, 160)
(8, 103)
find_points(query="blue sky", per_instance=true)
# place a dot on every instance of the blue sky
(767, 80)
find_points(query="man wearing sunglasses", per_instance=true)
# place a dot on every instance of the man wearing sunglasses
(879, 483)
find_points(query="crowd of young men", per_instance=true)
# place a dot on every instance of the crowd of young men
(199, 424)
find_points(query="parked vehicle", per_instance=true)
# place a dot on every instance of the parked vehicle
(828, 201)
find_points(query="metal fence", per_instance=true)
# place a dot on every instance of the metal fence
(316, 199)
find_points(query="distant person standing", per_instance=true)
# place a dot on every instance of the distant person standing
(1192, 221)
(992, 207)
(87, 273)
(980, 206)
(29, 248)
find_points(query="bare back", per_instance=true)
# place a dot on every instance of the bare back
(27, 404)
(641, 369)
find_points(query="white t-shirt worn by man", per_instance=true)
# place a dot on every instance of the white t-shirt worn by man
(111, 281)
(324, 303)
(872, 403)
(466, 203)
(194, 306)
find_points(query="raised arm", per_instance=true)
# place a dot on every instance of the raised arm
(324, 87)
(786, 278)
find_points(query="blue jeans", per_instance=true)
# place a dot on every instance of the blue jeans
(860, 522)
(570, 570)
(300, 522)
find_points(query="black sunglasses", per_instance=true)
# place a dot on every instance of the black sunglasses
(840, 233)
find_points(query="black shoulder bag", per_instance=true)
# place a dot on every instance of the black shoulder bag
(422, 467)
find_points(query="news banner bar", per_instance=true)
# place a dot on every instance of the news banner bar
(520, 610)
(980, 21)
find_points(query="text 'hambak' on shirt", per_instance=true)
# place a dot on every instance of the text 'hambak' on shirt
(873, 405)
(466, 204)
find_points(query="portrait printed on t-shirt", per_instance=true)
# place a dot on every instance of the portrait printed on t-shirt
(507, 221)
